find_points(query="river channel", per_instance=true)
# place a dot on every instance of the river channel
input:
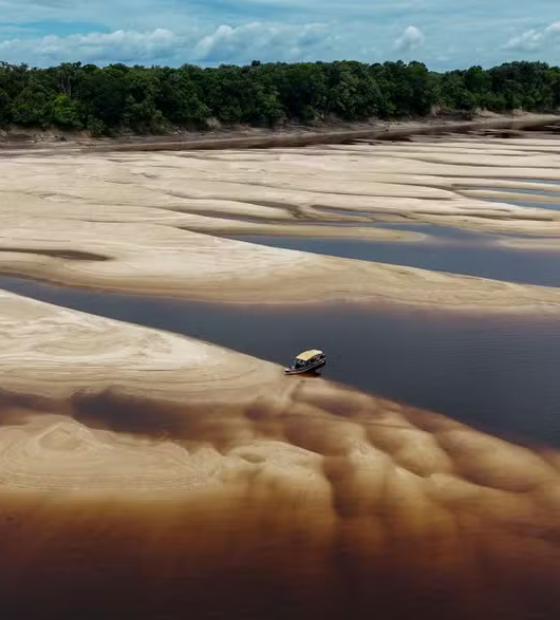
(498, 375)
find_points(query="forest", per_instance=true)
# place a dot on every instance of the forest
(151, 100)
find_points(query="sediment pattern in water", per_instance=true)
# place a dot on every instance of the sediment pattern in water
(131, 487)
(331, 504)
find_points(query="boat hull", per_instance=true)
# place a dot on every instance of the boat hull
(306, 369)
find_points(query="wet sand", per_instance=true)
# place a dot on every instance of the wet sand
(131, 487)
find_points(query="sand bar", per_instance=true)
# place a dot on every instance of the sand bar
(144, 214)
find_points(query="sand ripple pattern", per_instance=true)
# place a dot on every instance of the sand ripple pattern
(145, 222)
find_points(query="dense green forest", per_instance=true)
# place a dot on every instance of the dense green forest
(155, 99)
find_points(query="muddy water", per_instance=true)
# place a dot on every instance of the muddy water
(460, 252)
(494, 374)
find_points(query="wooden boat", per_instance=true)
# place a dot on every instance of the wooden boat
(307, 361)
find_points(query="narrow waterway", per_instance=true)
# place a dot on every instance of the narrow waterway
(468, 254)
(525, 193)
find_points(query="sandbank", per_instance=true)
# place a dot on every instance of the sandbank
(161, 260)
(153, 219)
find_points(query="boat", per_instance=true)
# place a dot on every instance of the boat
(307, 361)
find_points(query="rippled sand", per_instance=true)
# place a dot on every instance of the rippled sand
(148, 475)
(144, 222)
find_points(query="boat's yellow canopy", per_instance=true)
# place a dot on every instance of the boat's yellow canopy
(307, 355)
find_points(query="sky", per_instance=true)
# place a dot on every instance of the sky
(442, 33)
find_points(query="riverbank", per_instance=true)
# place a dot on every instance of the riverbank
(390, 130)
(292, 135)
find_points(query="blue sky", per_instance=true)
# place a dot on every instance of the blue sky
(441, 33)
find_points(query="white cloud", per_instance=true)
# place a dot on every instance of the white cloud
(412, 38)
(254, 41)
(96, 47)
(533, 40)
(277, 30)
(258, 41)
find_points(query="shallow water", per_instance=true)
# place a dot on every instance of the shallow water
(495, 374)
(470, 254)
(439, 231)
(554, 196)
(524, 190)
(551, 206)
(433, 230)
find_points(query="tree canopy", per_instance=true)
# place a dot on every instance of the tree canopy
(117, 97)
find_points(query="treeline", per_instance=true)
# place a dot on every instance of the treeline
(152, 100)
